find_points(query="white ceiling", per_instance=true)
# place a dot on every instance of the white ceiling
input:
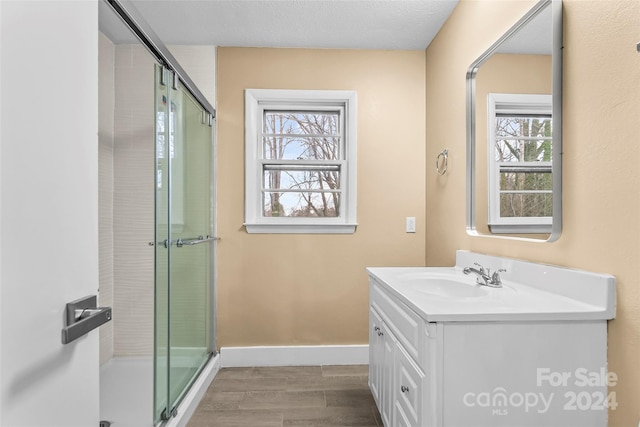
(348, 24)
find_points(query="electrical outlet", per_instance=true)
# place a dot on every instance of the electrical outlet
(411, 224)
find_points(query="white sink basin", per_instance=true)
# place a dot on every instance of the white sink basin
(446, 288)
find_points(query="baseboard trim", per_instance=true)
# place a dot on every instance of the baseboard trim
(294, 355)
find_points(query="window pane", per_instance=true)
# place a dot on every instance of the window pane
(300, 204)
(523, 139)
(518, 150)
(525, 181)
(301, 148)
(301, 180)
(302, 123)
(526, 204)
(523, 126)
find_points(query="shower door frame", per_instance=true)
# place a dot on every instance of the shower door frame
(133, 19)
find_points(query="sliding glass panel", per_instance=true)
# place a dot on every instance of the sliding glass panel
(161, 323)
(190, 148)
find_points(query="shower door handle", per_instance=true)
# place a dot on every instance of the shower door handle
(195, 240)
(83, 316)
(189, 241)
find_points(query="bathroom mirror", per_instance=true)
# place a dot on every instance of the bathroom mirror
(514, 131)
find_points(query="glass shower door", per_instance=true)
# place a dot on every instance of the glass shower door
(162, 250)
(184, 249)
(191, 230)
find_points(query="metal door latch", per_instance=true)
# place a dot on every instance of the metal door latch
(82, 316)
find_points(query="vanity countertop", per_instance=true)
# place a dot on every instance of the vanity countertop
(530, 292)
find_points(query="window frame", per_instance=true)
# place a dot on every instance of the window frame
(517, 104)
(259, 100)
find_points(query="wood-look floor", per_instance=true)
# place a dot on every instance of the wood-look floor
(288, 396)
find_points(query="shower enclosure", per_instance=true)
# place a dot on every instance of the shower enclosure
(157, 224)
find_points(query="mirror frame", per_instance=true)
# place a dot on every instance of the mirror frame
(556, 133)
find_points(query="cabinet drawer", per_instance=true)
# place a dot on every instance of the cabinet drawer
(409, 401)
(405, 324)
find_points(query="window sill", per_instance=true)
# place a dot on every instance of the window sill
(300, 228)
(520, 228)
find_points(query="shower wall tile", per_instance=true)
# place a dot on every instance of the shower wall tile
(133, 202)
(105, 187)
(137, 90)
(105, 230)
(200, 64)
(124, 55)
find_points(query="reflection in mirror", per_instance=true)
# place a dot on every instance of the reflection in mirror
(514, 102)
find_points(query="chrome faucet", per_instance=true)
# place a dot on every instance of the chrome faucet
(484, 277)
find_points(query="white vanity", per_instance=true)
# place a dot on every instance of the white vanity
(445, 351)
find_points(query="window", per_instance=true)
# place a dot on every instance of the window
(520, 173)
(300, 171)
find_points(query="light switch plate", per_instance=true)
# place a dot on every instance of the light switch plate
(411, 224)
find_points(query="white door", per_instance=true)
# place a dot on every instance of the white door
(48, 210)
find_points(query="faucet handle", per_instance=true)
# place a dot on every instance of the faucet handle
(481, 267)
(495, 278)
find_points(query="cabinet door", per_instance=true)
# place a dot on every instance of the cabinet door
(382, 348)
(409, 390)
(401, 419)
(376, 355)
(388, 377)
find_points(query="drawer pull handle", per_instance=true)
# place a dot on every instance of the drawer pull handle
(404, 389)
(376, 329)
(380, 333)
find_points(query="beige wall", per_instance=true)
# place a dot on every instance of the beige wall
(312, 289)
(601, 153)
